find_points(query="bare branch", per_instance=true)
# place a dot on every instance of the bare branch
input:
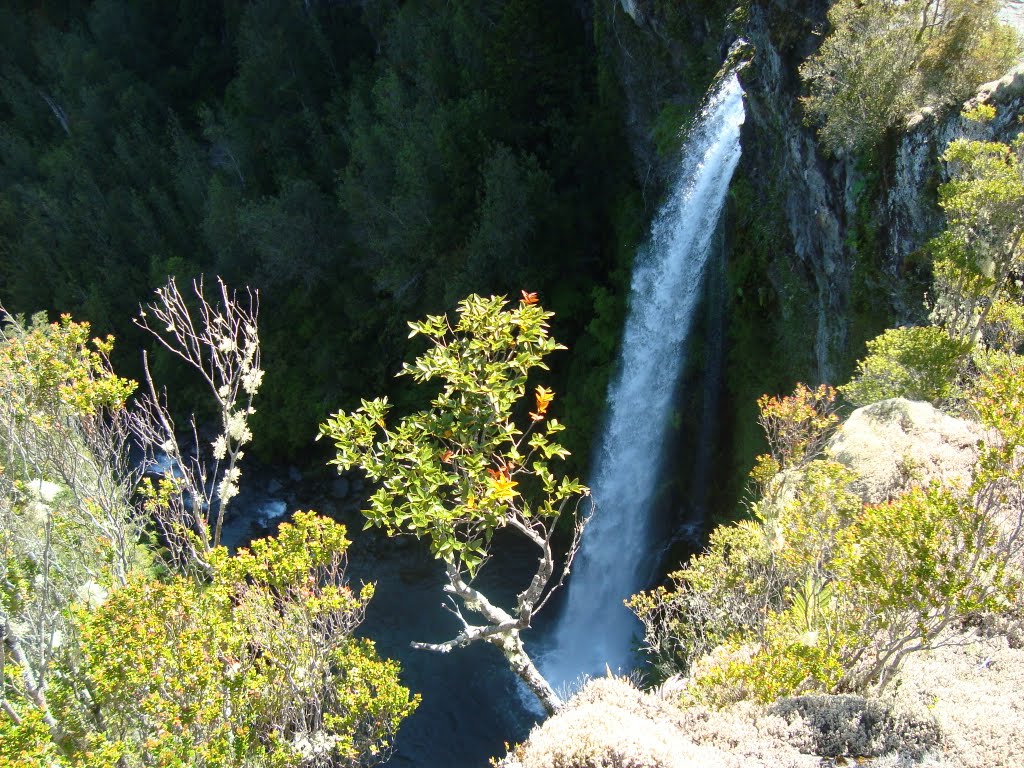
(220, 341)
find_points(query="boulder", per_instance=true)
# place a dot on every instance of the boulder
(896, 443)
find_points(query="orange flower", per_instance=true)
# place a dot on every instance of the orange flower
(544, 398)
(529, 298)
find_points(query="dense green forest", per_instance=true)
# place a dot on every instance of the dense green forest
(357, 163)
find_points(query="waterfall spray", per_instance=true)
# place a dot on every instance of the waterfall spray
(595, 630)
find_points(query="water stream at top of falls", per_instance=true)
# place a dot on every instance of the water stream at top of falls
(595, 630)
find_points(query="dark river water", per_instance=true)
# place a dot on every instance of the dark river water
(471, 702)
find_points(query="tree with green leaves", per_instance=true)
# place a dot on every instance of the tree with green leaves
(884, 59)
(982, 247)
(472, 464)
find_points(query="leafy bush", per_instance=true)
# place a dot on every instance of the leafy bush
(756, 579)
(796, 427)
(918, 363)
(822, 593)
(113, 656)
(720, 594)
(256, 667)
(911, 567)
(981, 248)
(883, 60)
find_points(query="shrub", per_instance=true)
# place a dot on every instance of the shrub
(796, 427)
(981, 248)
(918, 363)
(909, 569)
(883, 60)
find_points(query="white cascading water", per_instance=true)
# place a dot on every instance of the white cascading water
(595, 630)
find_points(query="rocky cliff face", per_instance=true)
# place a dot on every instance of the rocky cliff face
(839, 215)
(908, 206)
(822, 250)
(813, 195)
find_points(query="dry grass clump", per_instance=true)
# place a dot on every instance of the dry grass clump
(853, 725)
(610, 724)
(974, 692)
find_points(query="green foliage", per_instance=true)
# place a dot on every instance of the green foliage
(456, 472)
(255, 667)
(981, 247)
(883, 60)
(996, 397)
(463, 469)
(721, 594)
(912, 566)
(108, 660)
(751, 571)
(979, 113)
(807, 516)
(355, 163)
(786, 663)
(797, 425)
(820, 592)
(918, 363)
(57, 370)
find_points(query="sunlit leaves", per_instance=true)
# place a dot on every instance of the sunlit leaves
(918, 363)
(882, 60)
(48, 368)
(459, 470)
(543, 399)
(983, 244)
(256, 667)
(797, 425)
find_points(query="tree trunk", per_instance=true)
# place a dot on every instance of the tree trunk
(512, 646)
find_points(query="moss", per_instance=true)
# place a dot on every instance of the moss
(770, 332)
(594, 352)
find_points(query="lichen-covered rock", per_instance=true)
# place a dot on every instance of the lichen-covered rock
(611, 724)
(854, 725)
(973, 689)
(895, 443)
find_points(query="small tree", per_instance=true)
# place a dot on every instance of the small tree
(911, 567)
(983, 244)
(220, 341)
(463, 469)
(883, 59)
(66, 523)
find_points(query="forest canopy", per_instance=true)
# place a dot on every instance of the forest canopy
(357, 163)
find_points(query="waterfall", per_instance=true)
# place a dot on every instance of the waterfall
(595, 629)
